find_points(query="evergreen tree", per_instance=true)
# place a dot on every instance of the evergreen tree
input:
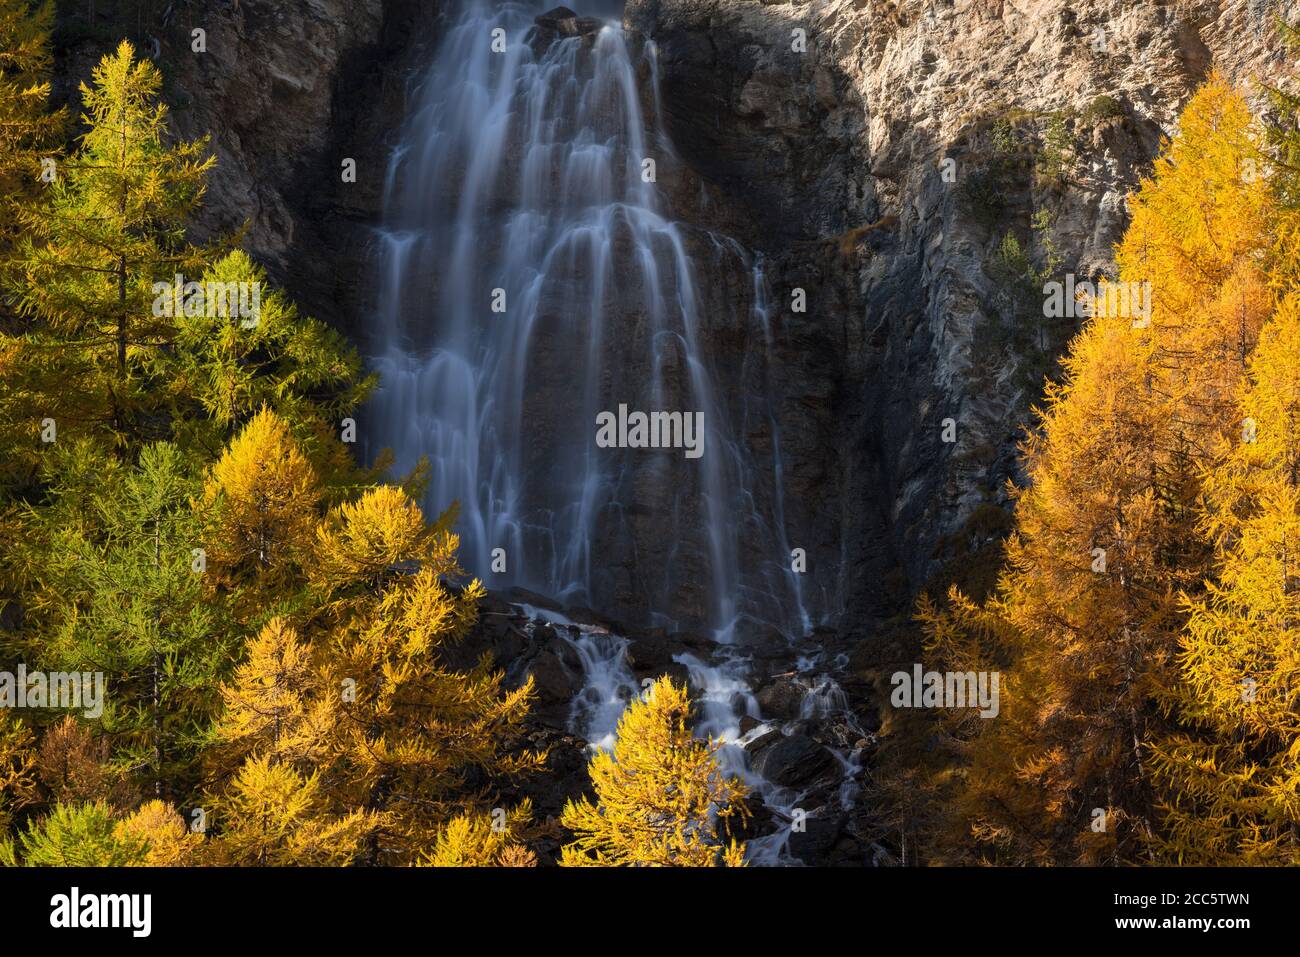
(84, 835)
(28, 134)
(119, 592)
(223, 367)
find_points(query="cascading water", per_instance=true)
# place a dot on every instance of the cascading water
(530, 279)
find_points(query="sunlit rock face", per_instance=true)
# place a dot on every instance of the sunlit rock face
(807, 122)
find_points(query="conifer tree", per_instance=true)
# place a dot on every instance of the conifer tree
(481, 840)
(1231, 784)
(17, 769)
(660, 797)
(28, 134)
(274, 707)
(73, 767)
(1087, 616)
(273, 816)
(411, 733)
(120, 593)
(264, 497)
(29, 131)
(83, 835)
(113, 225)
(224, 368)
(168, 842)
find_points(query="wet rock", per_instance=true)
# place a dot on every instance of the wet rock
(563, 778)
(693, 640)
(794, 760)
(585, 616)
(781, 699)
(554, 16)
(682, 675)
(523, 596)
(647, 656)
(768, 644)
(820, 834)
(757, 821)
(566, 23)
(553, 680)
(761, 741)
(748, 724)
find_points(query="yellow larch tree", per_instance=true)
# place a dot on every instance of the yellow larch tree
(1231, 784)
(412, 734)
(265, 498)
(478, 839)
(273, 706)
(168, 842)
(1086, 619)
(273, 816)
(29, 131)
(661, 797)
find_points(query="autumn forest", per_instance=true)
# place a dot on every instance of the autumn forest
(229, 637)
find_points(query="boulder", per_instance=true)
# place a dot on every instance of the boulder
(554, 682)
(523, 596)
(820, 834)
(794, 760)
(566, 23)
(646, 656)
(781, 699)
(585, 616)
(761, 741)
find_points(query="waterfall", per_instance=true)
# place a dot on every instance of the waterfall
(530, 278)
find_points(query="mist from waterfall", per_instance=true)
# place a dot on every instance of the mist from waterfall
(530, 278)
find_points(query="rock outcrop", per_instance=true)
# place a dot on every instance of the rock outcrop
(877, 154)
(286, 92)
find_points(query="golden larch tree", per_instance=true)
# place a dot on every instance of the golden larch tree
(661, 797)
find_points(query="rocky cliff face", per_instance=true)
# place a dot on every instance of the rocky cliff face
(878, 154)
(286, 91)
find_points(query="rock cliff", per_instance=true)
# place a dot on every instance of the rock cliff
(877, 155)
